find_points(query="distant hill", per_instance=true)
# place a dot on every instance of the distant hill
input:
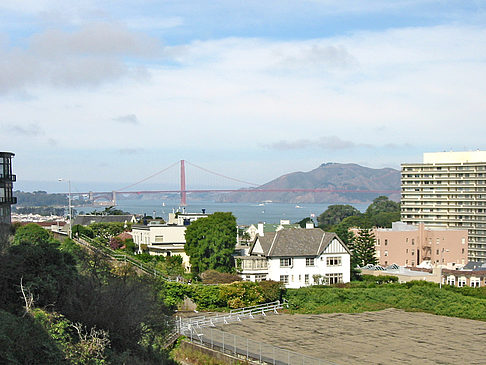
(327, 176)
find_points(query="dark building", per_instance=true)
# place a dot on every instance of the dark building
(6, 197)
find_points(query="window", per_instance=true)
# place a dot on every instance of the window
(309, 261)
(413, 242)
(333, 261)
(306, 278)
(284, 279)
(462, 250)
(386, 253)
(463, 240)
(334, 278)
(437, 252)
(461, 282)
(300, 277)
(286, 262)
(159, 239)
(378, 242)
(386, 242)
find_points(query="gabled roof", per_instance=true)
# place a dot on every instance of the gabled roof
(295, 242)
(86, 220)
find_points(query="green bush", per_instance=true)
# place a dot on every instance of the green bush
(412, 296)
(23, 341)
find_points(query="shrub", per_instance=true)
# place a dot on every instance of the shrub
(216, 277)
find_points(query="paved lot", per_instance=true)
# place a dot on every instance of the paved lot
(384, 337)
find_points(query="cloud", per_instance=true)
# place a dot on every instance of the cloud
(130, 151)
(89, 56)
(317, 56)
(30, 130)
(127, 119)
(325, 143)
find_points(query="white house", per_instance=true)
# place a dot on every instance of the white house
(297, 257)
(165, 239)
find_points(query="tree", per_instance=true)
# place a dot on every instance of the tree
(31, 233)
(334, 214)
(383, 204)
(45, 271)
(210, 242)
(302, 223)
(364, 247)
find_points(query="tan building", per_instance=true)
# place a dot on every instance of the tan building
(448, 190)
(410, 245)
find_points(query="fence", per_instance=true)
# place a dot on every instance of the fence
(251, 350)
(193, 323)
(86, 241)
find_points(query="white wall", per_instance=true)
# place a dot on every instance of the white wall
(299, 268)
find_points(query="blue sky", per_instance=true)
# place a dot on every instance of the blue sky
(107, 93)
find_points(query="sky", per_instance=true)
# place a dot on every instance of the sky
(106, 93)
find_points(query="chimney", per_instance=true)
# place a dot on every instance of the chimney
(260, 230)
(203, 211)
(309, 225)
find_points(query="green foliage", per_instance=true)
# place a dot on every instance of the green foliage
(302, 223)
(271, 290)
(381, 213)
(45, 211)
(23, 341)
(40, 198)
(369, 296)
(105, 231)
(334, 214)
(382, 204)
(80, 347)
(45, 271)
(364, 247)
(80, 230)
(210, 242)
(242, 294)
(31, 233)
(223, 296)
(216, 277)
(171, 266)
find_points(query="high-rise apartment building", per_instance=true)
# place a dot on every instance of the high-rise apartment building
(6, 196)
(448, 190)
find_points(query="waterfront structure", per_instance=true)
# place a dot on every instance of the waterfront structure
(167, 239)
(7, 178)
(296, 257)
(414, 245)
(448, 190)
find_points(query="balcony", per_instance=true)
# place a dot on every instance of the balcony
(8, 200)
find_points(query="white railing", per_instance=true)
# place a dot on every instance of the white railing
(187, 325)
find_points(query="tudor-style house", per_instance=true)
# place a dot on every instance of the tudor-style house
(296, 257)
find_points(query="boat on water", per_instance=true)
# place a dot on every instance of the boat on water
(298, 206)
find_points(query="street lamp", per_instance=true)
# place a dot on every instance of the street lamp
(441, 259)
(70, 209)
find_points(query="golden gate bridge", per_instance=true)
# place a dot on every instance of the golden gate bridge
(183, 190)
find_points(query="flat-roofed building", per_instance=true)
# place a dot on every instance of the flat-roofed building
(448, 190)
(412, 245)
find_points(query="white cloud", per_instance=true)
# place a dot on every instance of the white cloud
(417, 86)
(89, 56)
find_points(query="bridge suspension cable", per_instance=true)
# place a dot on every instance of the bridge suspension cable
(221, 175)
(149, 177)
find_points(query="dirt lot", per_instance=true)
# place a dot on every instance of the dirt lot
(384, 337)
